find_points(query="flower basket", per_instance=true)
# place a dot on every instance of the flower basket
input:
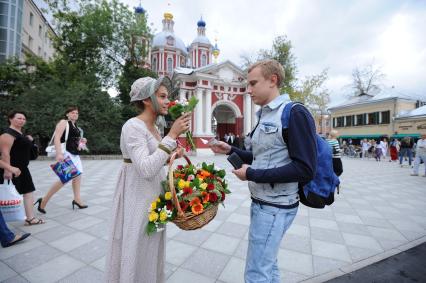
(188, 220)
(190, 198)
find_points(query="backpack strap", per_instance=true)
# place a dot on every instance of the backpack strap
(285, 116)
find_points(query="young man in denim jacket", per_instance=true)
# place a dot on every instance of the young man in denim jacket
(278, 160)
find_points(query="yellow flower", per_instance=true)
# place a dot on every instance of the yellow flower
(168, 195)
(163, 216)
(153, 216)
(153, 205)
(203, 186)
(158, 200)
(181, 184)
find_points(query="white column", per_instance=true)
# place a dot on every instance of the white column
(247, 113)
(208, 114)
(182, 94)
(199, 112)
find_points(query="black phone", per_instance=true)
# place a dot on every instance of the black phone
(235, 160)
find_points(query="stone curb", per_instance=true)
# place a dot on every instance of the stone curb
(365, 262)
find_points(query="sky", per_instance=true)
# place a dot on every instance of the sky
(325, 34)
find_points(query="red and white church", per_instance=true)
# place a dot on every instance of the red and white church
(221, 88)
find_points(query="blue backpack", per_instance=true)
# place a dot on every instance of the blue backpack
(319, 192)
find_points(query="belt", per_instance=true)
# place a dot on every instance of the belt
(284, 206)
(127, 160)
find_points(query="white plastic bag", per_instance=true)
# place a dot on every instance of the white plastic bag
(11, 203)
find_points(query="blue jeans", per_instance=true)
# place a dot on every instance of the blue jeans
(408, 152)
(6, 236)
(267, 227)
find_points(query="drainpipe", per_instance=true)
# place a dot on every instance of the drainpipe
(394, 115)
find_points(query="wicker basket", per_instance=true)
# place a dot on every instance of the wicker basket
(188, 220)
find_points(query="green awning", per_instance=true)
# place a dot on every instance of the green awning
(361, 136)
(406, 135)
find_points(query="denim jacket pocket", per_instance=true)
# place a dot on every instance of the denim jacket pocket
(268, 134)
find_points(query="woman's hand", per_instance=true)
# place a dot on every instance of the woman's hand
(180, 126)
(16, 171)
(221, 147)
(59, 157)
(7, 175)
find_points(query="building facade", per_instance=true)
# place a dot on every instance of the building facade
(224, 106)
(24, 30)
(10, 28)
(36, 33)
(383, 115)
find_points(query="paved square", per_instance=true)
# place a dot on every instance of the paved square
(379, 212)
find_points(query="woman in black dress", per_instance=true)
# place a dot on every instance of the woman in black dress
(15, 150)
(74, 144)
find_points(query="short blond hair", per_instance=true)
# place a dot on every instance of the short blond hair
(268, 68)
(334, 133)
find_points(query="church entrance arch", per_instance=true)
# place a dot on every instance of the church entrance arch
(225, 115)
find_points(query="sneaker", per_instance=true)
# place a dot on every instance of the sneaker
(414, 174)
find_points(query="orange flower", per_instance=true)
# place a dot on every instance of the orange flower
(199, 176)
(194, 201)
(206, 197)
(205, 173)
(197, 209)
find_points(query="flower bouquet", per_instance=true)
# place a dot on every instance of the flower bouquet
(177, 109)
(191, 197)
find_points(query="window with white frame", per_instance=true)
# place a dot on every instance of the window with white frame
(169, 65)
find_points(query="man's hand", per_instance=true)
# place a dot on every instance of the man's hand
(241, 173)
(7, 175)
(221, 147)
(16, 171)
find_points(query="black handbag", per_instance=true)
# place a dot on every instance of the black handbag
(34, 152)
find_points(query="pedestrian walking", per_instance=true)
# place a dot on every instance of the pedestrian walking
(420, 155)
(15, 150)
(336, 152)
(378, 151)
(407, 144)
(394, 149)
(73, 146)
(132, 255)
(278, 160)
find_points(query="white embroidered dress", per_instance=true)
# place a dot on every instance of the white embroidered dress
(132, 256)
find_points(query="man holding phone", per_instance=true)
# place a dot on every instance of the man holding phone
(279, 159)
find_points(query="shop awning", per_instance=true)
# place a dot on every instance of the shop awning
(406, 135)
(367, 136)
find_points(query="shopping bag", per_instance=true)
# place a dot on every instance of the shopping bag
(65, 170)
(11, 203)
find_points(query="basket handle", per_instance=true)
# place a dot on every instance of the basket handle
(171, 182)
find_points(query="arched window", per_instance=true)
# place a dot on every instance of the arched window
(154, 64)
(169, 65)
(203, 60)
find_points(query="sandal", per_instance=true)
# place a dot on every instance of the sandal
(30, 222)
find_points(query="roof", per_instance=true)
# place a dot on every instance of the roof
(386, 94)
(201, 39)
(418, 112)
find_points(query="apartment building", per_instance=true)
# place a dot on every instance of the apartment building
(389, 114)
(36, 32)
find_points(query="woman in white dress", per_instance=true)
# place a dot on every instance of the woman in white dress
(384, 145)
(132, 255)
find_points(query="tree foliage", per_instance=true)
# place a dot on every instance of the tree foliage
(367, 80)
(95, 49)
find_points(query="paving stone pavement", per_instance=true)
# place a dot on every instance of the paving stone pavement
(379, 212)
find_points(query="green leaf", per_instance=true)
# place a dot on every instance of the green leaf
(150, 228)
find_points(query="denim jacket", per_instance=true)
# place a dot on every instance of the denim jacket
(270, 151)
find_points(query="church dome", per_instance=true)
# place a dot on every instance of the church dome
(201, 33)
(167, 37)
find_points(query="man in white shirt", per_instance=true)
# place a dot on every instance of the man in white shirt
(420, 155)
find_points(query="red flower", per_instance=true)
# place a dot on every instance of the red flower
(206, 197)
(213, 197)
(184, 205)
(179, 167)
(210, 187)
(187, 191)
(197, 209)
(223, 196)
(169, 205)
(194, 201)
(171, 103)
